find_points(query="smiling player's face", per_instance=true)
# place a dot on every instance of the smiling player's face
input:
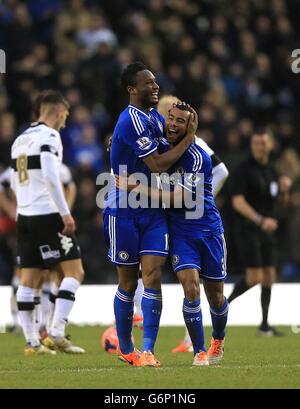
(177, 122)
(146, 88)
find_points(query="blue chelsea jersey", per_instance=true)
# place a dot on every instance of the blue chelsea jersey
(194, 170)
(136, 135)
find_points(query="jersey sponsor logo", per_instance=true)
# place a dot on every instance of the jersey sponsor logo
(123, 255)
(66, 243)
(47, 253)
(144, 142)
(175, 259)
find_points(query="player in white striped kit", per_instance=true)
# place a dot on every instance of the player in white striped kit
(45, 227)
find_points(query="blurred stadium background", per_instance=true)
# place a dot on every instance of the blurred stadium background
(230, 59)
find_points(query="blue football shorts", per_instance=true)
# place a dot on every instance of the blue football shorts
(130, 238)
(206, 254)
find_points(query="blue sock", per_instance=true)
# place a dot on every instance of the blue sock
(219, 320)
(123, 307)
(151, 307)
(192, 315)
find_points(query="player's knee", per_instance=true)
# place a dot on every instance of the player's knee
(79, 275)
(152, 278)
(216, 300)
(252, 281)
(192, 291)
(128, 285)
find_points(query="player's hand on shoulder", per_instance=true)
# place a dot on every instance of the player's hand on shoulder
(69, 224)
(269, 224)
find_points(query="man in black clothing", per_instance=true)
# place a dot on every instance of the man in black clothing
(256, 188)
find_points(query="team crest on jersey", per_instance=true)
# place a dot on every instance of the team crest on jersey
(123, 255)
(175, 259)
(180, 170)
(144, 142)
(192, 180)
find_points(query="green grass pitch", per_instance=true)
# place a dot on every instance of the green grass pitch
(249, 362)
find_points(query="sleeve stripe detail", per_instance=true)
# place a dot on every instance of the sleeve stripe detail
(138, 120)
(49, 148)
(33, 162)
(198, 160)
(148, 153)
(137, 126)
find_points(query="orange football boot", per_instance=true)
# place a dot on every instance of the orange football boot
(183, 347)
(134, 358)
(201, 359)
(216, 351)
(138, 321)
(148, 359)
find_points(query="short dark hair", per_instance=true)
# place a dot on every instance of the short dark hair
(183, 106)
(128, 76)
(49, 96)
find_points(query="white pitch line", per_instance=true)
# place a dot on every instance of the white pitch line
(78, 370)
(216, 367)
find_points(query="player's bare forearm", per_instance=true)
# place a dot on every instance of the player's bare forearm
(162, 162)
(159, 195)
(70, 194)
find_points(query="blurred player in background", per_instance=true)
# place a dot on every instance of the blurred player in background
(256, 188)
(135, 141)
(220, 174)
(44, 298)
(8, 206)
(45, 227)
(53, 279)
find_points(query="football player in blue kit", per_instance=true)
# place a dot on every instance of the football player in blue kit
(197, 245)
(138, 235)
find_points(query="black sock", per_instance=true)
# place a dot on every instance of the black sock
(265, 302)
(240, 288)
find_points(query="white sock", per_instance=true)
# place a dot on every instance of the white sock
(13, 301)
(63, 305)
(37, 311)
(45, 305)
(52, 299)
(25, 300)
(187, 339)
(138, 297)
